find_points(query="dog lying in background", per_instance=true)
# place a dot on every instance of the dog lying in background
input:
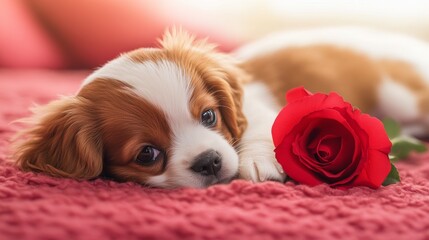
(184, 115)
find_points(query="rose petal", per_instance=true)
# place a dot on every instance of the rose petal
(346, 154)
(296, 94)
(304, 158)
(343, 167)
(292, 114)
(377, 135)
(328, 148)
(375, 170)
(294, 169)
(301, 147)
(314, 122)
(346, 166)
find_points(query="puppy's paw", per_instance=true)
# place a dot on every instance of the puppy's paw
(260, 168)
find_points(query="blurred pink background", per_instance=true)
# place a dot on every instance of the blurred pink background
(85, 34)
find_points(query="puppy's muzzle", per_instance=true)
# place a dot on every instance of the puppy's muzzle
(207, 163)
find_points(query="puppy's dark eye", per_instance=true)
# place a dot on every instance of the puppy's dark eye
(148, 156)
(208, 118)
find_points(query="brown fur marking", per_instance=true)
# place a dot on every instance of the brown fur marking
(319, 68)
(127, 122)
(326, 68)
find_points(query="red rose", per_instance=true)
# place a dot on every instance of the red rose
(321, 139)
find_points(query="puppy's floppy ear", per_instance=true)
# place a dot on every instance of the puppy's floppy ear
(236, 78)
(230, 96)
(62, 141)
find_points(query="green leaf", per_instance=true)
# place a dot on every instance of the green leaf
(402, 146)
(393, 176)
(393, 129)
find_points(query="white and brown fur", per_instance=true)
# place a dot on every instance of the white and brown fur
(156, 97)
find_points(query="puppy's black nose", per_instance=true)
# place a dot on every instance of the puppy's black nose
(207, 163)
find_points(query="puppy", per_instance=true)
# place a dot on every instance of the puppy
(184, 115)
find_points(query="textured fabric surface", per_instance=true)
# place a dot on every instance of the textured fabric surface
(34, 206)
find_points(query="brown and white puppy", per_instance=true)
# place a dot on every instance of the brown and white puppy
(165, 117)
(177, 115)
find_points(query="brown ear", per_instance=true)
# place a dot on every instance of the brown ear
(62, 141)
(230, 96)
(236, 78)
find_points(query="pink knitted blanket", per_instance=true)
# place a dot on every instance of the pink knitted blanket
(34, 206)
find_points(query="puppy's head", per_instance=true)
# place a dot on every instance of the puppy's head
(166, 117)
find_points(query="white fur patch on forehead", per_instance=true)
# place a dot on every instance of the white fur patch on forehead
(162, 83)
